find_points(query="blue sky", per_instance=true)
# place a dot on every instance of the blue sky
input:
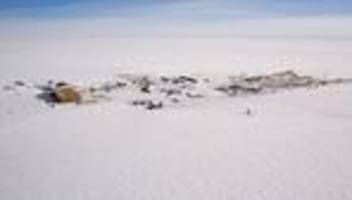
(114, 18)
(176, 8)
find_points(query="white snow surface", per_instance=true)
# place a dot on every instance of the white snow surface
(294, 144)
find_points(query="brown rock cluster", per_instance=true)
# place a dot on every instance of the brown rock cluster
(67, 94)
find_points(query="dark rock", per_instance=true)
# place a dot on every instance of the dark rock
(236, 89)
(175, 100)
(120, 84)
(152, 106)
(61, 84)
(48, 97)
(171, 92)
(248, 112)
(19, 83)
(194, 96)
(8, 88)
(184, 79)
(145, 89)
(139, 102)
(148, 104)
(253, 79)
(164, 79)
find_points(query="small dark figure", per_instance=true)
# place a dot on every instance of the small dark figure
(248, 112)
(145, 84)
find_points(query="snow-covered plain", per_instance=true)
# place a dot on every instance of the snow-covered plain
(293, 145)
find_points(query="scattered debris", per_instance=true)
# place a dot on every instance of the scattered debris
(171, 89)
(272, 82)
